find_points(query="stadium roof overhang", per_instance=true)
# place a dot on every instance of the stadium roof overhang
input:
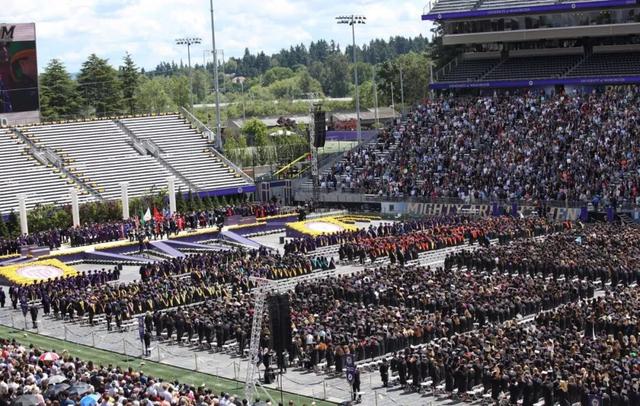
(605, 30)
(537, 83)
(548, 8)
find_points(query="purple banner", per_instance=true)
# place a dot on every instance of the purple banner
(611, 80)
(452, 15)
(348, 135)
(239, 220)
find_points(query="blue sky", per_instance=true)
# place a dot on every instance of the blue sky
(72, 29)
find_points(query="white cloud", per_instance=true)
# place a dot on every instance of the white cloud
(73, 29)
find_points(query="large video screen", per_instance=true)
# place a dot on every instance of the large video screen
(18, 69)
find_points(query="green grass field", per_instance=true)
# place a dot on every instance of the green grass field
(156, 369)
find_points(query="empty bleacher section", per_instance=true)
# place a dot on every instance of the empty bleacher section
(99, 152)
(44, 161)
(448, 6)
(20, 172)
(467, 70)
(533, 67)
(503, 4)
(520, 64)
(186, 150)
(614, 64)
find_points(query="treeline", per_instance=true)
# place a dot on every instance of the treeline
(323, 68)
(249, 85)
(377, 51)
(102, 90)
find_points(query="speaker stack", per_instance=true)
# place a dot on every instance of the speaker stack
(320, 128)
(280, 323)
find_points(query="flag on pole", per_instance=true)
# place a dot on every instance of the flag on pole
(157, 216)
(147, 216)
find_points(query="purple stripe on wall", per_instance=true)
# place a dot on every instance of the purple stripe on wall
(452, 15)
(613, 80)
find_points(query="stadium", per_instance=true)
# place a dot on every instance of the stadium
(476, 245)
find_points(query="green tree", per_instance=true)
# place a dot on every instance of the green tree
(336, 80)
(152, 97)
(4, 230)
(99, 86)
(367, 97)
(415, 74)
(276, 74)
(180, 204)
(129, 77)
(179, 90)
(13, 224)
(256, 132)
(197, 202)
(201, 85)
(58, 93)
(365, 72)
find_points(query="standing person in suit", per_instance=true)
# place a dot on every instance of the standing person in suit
(384, 372)
(355, 386)
(33, 310)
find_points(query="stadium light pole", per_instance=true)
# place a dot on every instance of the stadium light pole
(402, 91)
(244, 111)
(188, 42)
(375, 95)
(352, 20)
(215, 80)
(204, 58)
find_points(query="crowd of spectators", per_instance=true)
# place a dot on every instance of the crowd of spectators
(68, 380)
(531, 146)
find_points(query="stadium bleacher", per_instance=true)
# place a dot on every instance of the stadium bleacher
(533, 67)
(500, 4)
(448, 6)
(99, 151)
(21, 173)
(614, 64)
(101, 154)
(186, 150)
(469, 69)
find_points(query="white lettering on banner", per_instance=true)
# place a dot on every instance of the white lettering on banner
(4, 122)
(440, 209)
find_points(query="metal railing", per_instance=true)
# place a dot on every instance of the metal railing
(205, 130)
(56, 161)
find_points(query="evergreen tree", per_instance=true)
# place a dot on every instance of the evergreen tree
(13, 225)
(58, 93)
(4, 230)
(197, 202)
(129, 77)
(180, 205)
(189, 202)
(337, 77)
(100, 88)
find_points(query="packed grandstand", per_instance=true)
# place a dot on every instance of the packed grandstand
(480, 249)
